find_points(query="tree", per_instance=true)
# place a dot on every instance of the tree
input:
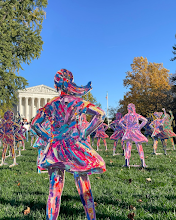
(174, 51)
(89, 97)
(20, 42)
(149, 87)
(173, 90)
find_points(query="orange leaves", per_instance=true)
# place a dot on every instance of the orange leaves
(27, 211)
(95, 204)
(132, 207)
(139, 200)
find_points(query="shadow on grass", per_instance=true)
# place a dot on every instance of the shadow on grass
(65, 210)
(31, 193)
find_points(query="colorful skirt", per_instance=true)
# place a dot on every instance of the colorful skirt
(169, 133)
(117, 135)
(134, 135)
(101, 134)
(73, 157)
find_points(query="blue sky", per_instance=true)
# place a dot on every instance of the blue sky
(97, 41)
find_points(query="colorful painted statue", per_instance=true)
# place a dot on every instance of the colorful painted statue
(167, 128)
(118, 132)
(84, 124)
(158, 132)
(100, 133)
(92, 135)
(32, 134)
(130, 122)
(67, 148)
(19, 136)
(9, 128)
(40, 144)
(2, 121)
(148, 131)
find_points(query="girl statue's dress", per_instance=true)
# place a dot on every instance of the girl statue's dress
(67, 148)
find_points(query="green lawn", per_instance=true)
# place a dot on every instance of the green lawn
(117, 192)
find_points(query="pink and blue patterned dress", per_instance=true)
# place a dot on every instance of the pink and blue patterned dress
(100, 132)
(67, 146)
(133, 128)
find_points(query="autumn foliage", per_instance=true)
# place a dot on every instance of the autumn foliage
(149, 87)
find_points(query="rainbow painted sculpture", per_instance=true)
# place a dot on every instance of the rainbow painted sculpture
(118, 133)
(130, 123)
(9, 128)
(167, 128)
(158, 130)
(100, 133)
(84, 124)
(19, 138)
(40, 144)
(32, 134)
(67, 148)
(148, 131)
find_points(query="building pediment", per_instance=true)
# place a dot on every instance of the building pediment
(41, 89)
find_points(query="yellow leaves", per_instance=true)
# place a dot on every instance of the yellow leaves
(148, 83)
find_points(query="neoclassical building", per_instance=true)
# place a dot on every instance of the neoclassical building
(33, 98)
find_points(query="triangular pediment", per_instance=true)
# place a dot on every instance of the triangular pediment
(41, 89)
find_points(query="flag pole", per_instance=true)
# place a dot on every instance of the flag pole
(107, 109)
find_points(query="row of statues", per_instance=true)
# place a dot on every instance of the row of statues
(11, 134)
(63, 139)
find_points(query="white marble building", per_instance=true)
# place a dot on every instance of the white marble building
(33, 98)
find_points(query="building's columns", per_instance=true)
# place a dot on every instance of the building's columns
(45, 101)
(38, 103)
(19, 104)
(26, 108)
(32, 107)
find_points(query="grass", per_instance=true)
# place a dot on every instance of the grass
(117, 192)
